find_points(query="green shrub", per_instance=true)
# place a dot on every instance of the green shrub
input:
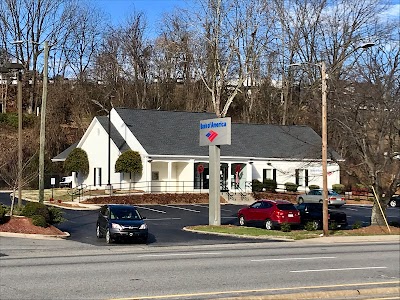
(39, 220)
(257, 186)
(35, 208)
(338, 188)
(309, 226)
(270, 185)
(129, 162)
(2, 213)
(314, 187)
(333, 225)
(56, 215)
(77, 161)
(356, 225)
(291, 187)
(285, 227)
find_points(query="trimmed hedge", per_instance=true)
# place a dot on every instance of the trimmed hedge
(257, 185)
(2, 214)
(270, 185)
(39, 220)
(35, 208)
(291, 187)
(314, 187)
(338, 188)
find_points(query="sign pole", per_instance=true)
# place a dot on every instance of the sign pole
(214, 216)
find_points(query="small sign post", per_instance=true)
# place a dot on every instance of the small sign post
(214, 133)
(53, 183)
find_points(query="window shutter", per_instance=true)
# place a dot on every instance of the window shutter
(297, 176)
(274, 174)
(94, 179)
(306, 177)
(100, 176)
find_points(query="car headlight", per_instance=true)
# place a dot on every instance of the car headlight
(116, 226)
(143, 226)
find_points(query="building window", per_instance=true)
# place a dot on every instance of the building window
(155, 176)
(301, 177)
(269, 174)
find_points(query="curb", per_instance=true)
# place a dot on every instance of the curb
(270, 237)
(341, 294)
(35, 236)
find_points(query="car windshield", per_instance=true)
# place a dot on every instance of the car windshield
(125, 213)
(286, 207)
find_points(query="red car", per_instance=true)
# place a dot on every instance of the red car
(269, 213)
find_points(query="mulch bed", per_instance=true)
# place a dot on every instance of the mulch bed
(24, 225)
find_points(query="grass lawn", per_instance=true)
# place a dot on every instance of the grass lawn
(294, 234)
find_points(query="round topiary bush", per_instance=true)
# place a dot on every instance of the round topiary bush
(77, 161)
(39, 220)
(35, 208)
(338, 188)
(129, 162)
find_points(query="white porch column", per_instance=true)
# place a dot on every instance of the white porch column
(169, 183)
(229, 183)
(148, 182)
(249, 173)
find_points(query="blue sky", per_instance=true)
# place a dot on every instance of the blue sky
(118, 10)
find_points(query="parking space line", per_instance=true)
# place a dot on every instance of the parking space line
(351, 209)
(203, 206)
(163, 219)
(228, 217)
(152, 209)
(182, 208)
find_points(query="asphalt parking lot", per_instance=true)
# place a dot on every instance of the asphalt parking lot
(166, 222)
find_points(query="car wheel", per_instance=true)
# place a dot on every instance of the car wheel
(269, 225)
(316, 225)
(301, 200)
(392, 203)
(242, 221)
(98, 232)
(108, 237)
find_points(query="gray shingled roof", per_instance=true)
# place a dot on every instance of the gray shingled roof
(63, 155)
(177, 133)
(116, 137)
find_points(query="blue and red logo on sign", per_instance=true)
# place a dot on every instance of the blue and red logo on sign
(211, 135)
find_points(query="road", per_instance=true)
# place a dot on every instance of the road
(70, 270)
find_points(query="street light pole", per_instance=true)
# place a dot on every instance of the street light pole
(19, 100)
(43, 123)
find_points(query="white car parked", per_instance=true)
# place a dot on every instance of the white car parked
(315, 196)
(66, 181)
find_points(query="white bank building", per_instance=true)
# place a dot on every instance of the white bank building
(173, 161)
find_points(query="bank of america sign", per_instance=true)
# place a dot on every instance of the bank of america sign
(215, 132)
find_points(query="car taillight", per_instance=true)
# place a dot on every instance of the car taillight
(332, 198)
(342, 198)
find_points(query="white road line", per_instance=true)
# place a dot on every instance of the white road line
(187, 209)
(228, 217)
(163, 219)
(152, 209)
(180, 254)
(293, 258)
(343, 269)
(352, 209)
(206, 206)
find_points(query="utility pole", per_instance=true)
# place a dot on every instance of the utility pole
(324, 152)
(43, 123)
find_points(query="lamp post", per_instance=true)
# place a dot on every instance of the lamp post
(324, 128)
(43, 123)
